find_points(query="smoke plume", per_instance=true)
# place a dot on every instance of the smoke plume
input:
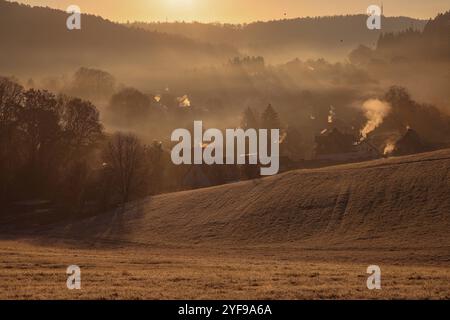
(375, 112)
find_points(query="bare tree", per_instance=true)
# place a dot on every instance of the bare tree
(124, 156)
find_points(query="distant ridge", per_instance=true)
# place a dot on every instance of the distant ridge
(329, 36)
(34, 39)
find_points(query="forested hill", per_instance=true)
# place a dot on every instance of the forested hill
(329, 36)
(36, 38)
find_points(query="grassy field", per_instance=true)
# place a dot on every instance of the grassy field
(28, 271)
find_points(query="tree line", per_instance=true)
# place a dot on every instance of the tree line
(54, 147)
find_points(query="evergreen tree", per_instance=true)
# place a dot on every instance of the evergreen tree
(270, 119)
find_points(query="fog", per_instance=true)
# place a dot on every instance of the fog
(135, 86)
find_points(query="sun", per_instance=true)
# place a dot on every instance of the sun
(181, 3)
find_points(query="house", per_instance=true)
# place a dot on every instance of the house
(410, 143)
(335, 146)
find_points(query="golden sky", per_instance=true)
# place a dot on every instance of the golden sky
(237, 11)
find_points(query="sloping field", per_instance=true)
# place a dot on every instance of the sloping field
(390, 203)
(308, 234)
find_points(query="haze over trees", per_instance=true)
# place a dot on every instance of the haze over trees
(280, 40)
(94, 128)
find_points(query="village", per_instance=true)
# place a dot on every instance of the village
(332, 146)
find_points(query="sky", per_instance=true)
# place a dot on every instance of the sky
(241, 11)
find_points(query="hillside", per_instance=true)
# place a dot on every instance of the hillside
(35, 40)
(390, 203)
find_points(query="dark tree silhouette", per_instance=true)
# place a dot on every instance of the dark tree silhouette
(270, 119)
(11, 99)
(129, 107)
(92, 84)
(81, 123)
